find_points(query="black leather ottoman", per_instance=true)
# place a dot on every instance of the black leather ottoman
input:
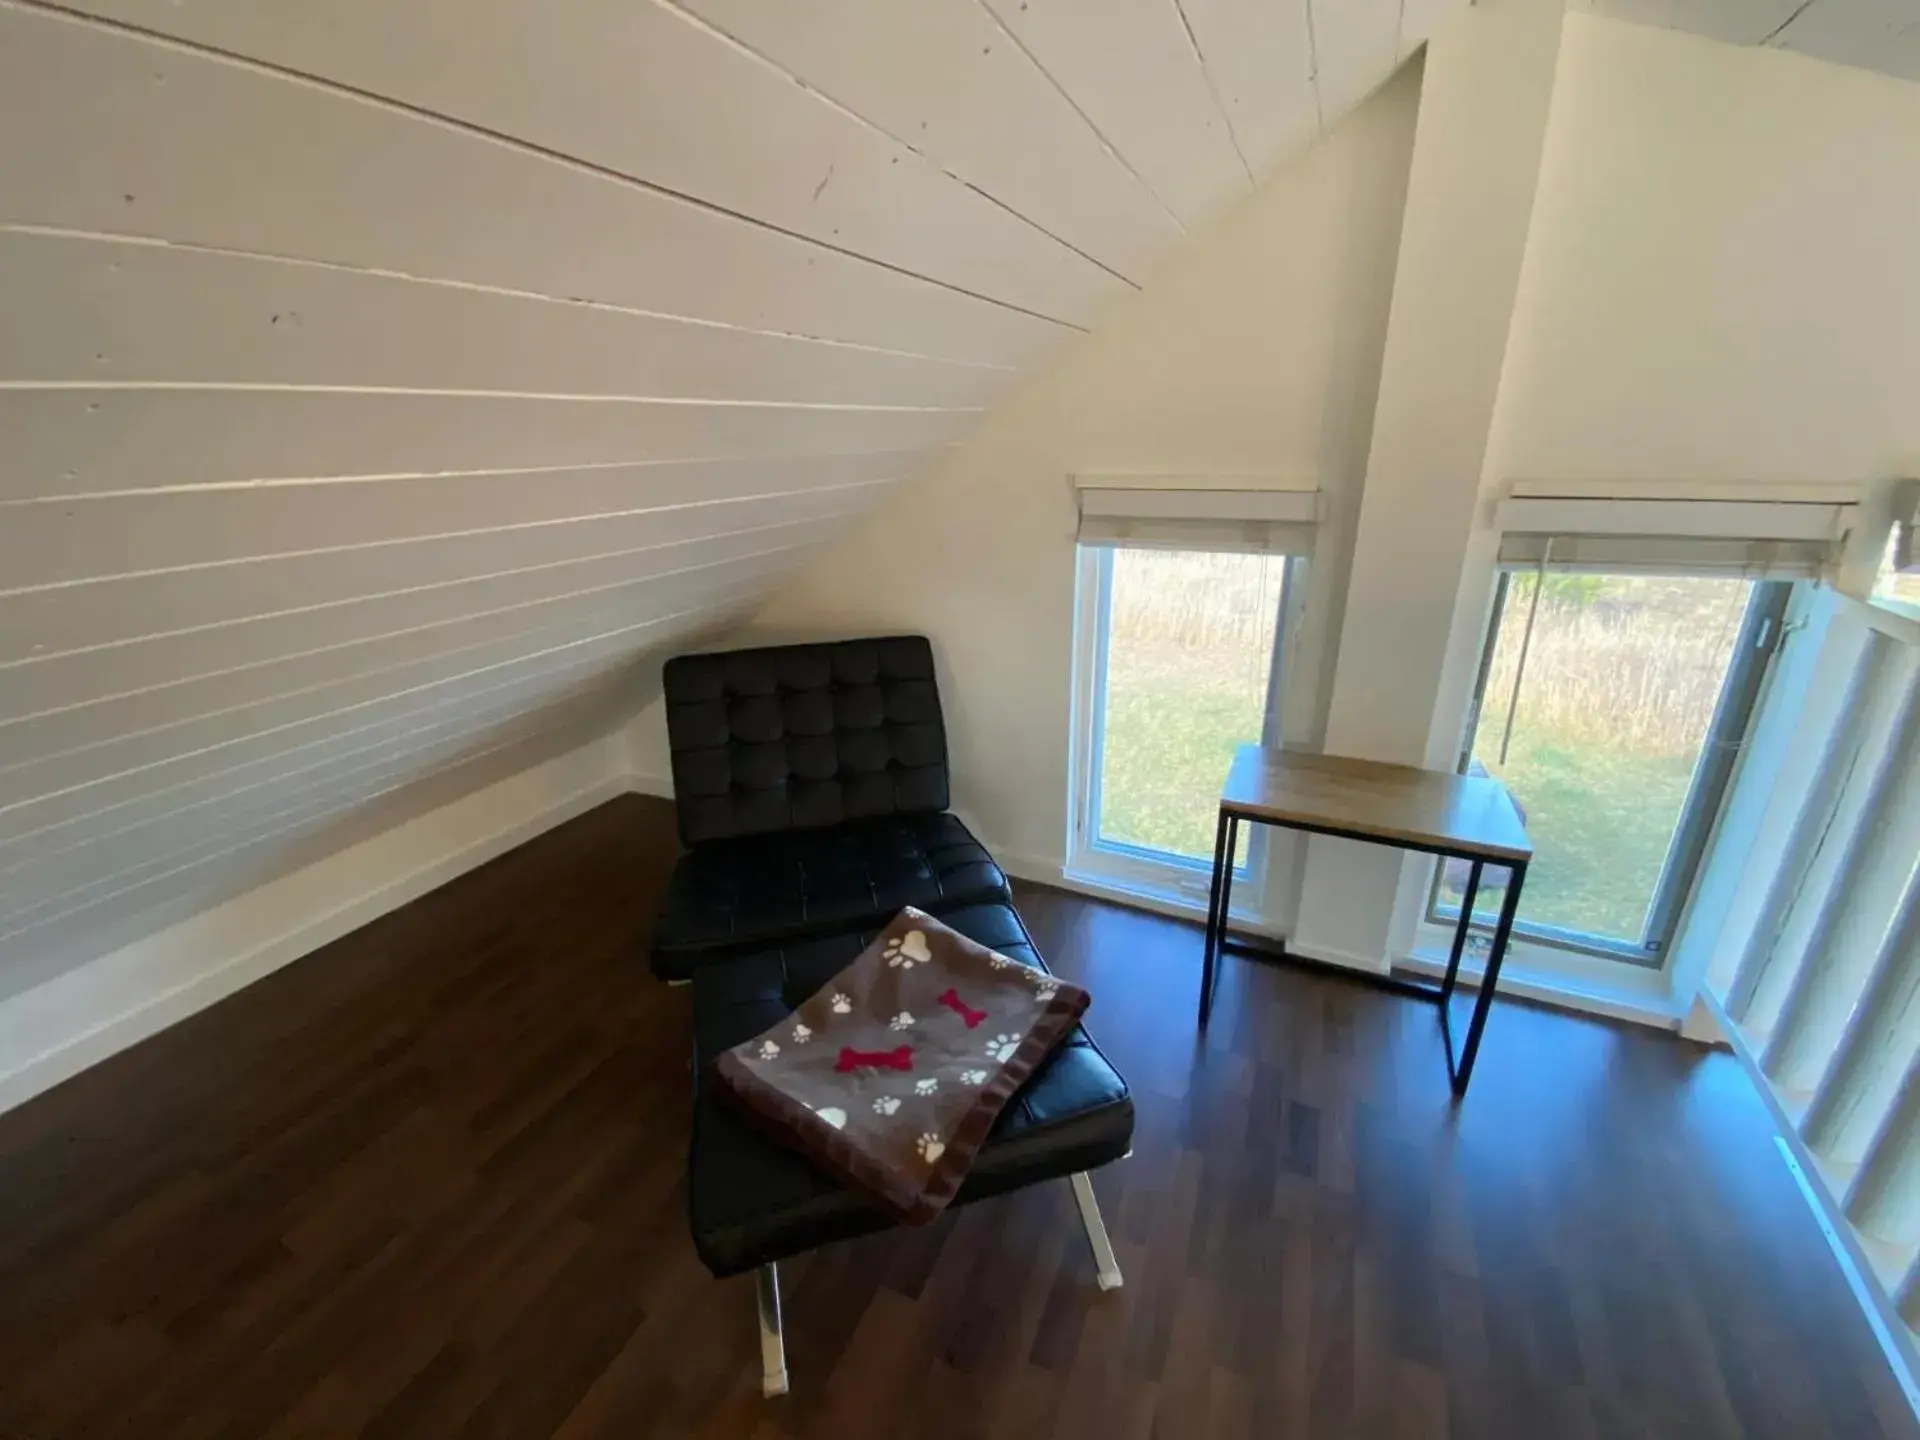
(753, 1203)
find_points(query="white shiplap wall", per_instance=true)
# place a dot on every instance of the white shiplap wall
(381, 384)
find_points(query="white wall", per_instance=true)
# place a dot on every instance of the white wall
(1721, 282)
(1257, 349)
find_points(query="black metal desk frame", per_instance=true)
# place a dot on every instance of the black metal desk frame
(1460, 1063)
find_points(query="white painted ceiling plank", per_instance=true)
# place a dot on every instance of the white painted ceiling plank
(249, 831)
(106, 866)
(109, 848)
(53, 683)
(1259, 54)
(329, 177)
(642, 91)
(108, 921)
(87, 442)
(390, 567)
(1130, 68)
(79, 540)
(58, 826)
(89, 310)
(1356, 46)
(319, 677)
(150, 756)
(70, 618)
(76, 844)
(942, 77)
(1739, 22)
(106, 849)
(262, 755)
(104, 843)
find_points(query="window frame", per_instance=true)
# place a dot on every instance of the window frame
(1762, 627)
(1157, 874)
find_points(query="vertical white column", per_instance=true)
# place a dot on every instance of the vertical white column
(1421, 576)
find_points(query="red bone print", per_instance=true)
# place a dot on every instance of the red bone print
(960, 1007)
(898, 1058)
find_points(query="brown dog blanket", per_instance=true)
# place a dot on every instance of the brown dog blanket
(890, 1076)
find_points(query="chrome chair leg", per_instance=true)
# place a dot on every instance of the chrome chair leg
(773, 1349)
(1083, 1197)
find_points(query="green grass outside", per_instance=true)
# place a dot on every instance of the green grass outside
(1600, 821)
(1600, 817)
(1167, 751)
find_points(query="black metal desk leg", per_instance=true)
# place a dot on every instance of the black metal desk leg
(1483, 1002)
(1460, 932)
(1222, 859)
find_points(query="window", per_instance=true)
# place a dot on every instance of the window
(1894, 587)
(1179, 663)
(1612, 706)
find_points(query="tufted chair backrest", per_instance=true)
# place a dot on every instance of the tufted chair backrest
(794, 737)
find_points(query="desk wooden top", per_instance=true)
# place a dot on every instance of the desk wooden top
(1397, 804)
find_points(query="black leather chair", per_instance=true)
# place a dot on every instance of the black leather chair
(811, 789)
(754, 1203)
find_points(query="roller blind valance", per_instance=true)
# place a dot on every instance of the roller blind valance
(1178, 514)
(1798, 539)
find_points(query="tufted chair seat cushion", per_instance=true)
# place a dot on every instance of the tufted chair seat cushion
(730, 895)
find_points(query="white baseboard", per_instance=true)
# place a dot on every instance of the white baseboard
(58, 1028)
(1337, 959)
(660, 785)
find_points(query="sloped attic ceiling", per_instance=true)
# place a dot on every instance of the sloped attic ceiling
(1881, 35)
(381, 382)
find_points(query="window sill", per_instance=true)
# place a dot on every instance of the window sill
(1533, 972)
(1178, 904)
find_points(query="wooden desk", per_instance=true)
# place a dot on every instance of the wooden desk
(1457, 817)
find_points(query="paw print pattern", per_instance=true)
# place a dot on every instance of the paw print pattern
(973, 1077)
(801, 1034)
(926, 1086)
(903, 952)
(768, 1049)
(1001, 1047)
(997, 960)
(931, 1147)
(902, 1021)
(886, 1105)
(1046, 992)
(841, 1004)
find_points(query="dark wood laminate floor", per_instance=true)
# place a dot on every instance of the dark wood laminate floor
(426, 1182)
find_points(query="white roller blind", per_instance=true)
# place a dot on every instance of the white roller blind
(1190, 517)
(1762, 539)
